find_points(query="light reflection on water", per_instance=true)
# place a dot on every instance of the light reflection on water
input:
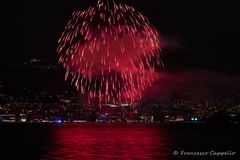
(106, 142)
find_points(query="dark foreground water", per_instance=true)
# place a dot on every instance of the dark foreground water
(118, 141)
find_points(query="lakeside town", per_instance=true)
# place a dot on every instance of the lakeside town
(66, 110)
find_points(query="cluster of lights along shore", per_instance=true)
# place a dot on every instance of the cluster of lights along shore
(195, 119)
(110, 52)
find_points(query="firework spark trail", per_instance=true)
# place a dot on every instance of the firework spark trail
(107, 52)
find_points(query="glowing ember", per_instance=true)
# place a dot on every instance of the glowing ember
(107, 52)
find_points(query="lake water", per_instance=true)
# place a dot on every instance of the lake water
(76, 141)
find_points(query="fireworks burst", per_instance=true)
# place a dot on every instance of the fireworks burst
(107, 52)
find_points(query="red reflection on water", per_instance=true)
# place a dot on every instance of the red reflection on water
(106, 141)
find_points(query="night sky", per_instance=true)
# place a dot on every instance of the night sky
(195, 35)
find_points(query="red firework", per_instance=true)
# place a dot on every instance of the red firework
(107, 52)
